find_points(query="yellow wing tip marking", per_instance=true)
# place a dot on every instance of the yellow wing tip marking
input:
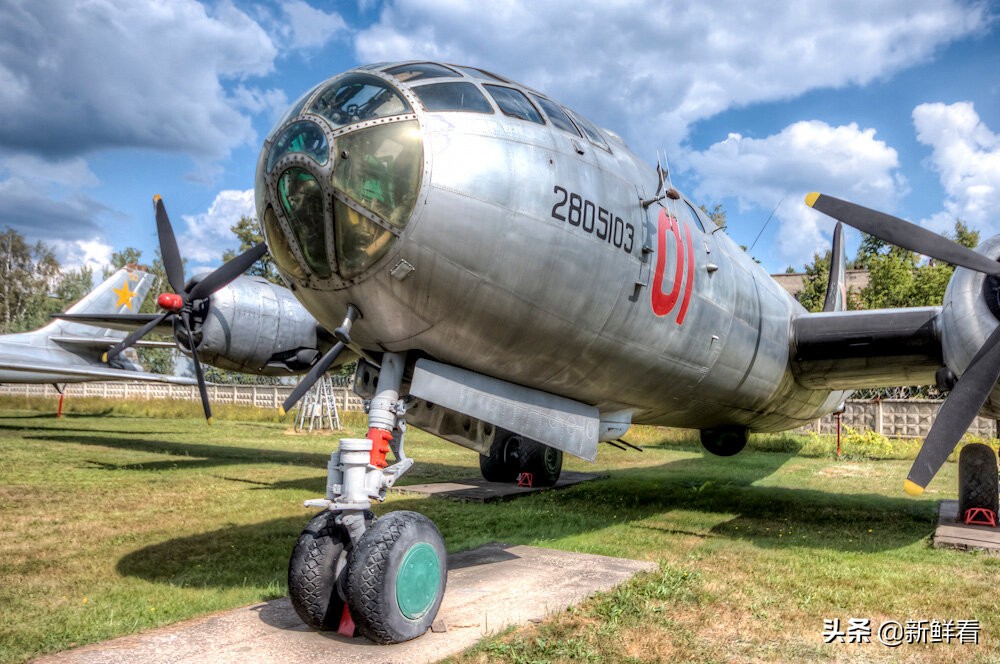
(281, 411)
(912, 488)
(811, 199)
(157, 198)
(104, 358)
(208, 420)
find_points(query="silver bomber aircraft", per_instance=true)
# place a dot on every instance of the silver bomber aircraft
(69, 352)
(515, 280)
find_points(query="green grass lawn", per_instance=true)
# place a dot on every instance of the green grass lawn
(111, 524)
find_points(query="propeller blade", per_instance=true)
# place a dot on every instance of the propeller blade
(198, 373)
(128, 341)
(310, 378)
(902, 233)
(956, 413)
(172, 263)
(229, 271)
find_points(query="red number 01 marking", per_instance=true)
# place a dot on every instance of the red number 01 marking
(664, 303)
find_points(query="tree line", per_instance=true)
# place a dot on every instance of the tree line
(896, 277)
(33, 286)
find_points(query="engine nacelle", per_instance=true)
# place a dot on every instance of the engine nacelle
(970, 315)
(254, 326)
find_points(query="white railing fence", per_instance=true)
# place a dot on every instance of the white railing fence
(896, 418)
(261, 396)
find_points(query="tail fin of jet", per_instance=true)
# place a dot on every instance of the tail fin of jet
(836, 285)
(121, 293)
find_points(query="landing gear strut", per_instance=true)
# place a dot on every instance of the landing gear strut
(389, 572)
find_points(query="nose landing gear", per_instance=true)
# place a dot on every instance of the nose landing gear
(389, 572)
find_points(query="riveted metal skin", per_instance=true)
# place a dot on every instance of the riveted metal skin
(254, 326)
(501, 285)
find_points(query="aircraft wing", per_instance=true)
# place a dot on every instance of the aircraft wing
(123, 322)
(847, 350)
(107, 342)
(66, 373)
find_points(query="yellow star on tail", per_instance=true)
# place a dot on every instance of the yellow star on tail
(125, 295)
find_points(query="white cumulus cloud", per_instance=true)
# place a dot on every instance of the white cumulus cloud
(306, 27)
(966, 155)
(845, 161)
(208, 235)
(46, 199)
(74, 254)
(83, 76)
(648, 70)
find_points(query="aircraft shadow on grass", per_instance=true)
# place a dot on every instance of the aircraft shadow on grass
(184, 455)
(641, 497)
(197, 456)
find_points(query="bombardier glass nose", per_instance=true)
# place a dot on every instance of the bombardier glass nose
(338, 180)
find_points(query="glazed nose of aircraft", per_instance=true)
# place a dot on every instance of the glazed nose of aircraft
(337, 180)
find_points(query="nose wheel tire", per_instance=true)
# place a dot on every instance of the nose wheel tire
(396, 577)
(317, 570)
(317, 562)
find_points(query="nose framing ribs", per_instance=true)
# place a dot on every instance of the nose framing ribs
(338, 180)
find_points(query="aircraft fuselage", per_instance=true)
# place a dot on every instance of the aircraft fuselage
(529, 257)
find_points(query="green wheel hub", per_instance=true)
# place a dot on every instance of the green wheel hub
(418, 580)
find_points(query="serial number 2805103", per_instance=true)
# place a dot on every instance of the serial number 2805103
(578, 211)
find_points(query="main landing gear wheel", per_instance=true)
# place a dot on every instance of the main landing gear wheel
(977, 479)
(396, 577)
(543, 462)
(512, 454)
(503, 463)
(725, 441)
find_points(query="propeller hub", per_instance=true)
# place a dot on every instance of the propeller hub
(991, 292)
(170, 302)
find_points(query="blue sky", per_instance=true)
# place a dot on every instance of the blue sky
(893, 104)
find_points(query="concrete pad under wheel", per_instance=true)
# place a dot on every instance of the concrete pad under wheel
(478, 490)
(489, 589)
(951, 532)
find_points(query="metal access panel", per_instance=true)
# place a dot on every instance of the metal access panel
(558, 422)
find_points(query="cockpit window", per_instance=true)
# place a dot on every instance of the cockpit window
(687, 214)
(357, 97)
(481, 74)
(421, 71)
(302, 199)
(556, 116)
(513, 103)
(592, 132)
(453, 97)
(303, 136)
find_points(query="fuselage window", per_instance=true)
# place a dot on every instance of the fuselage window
(421, 71)
(452, 97)
(592, 132)
(513, 103)
(556, 116)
